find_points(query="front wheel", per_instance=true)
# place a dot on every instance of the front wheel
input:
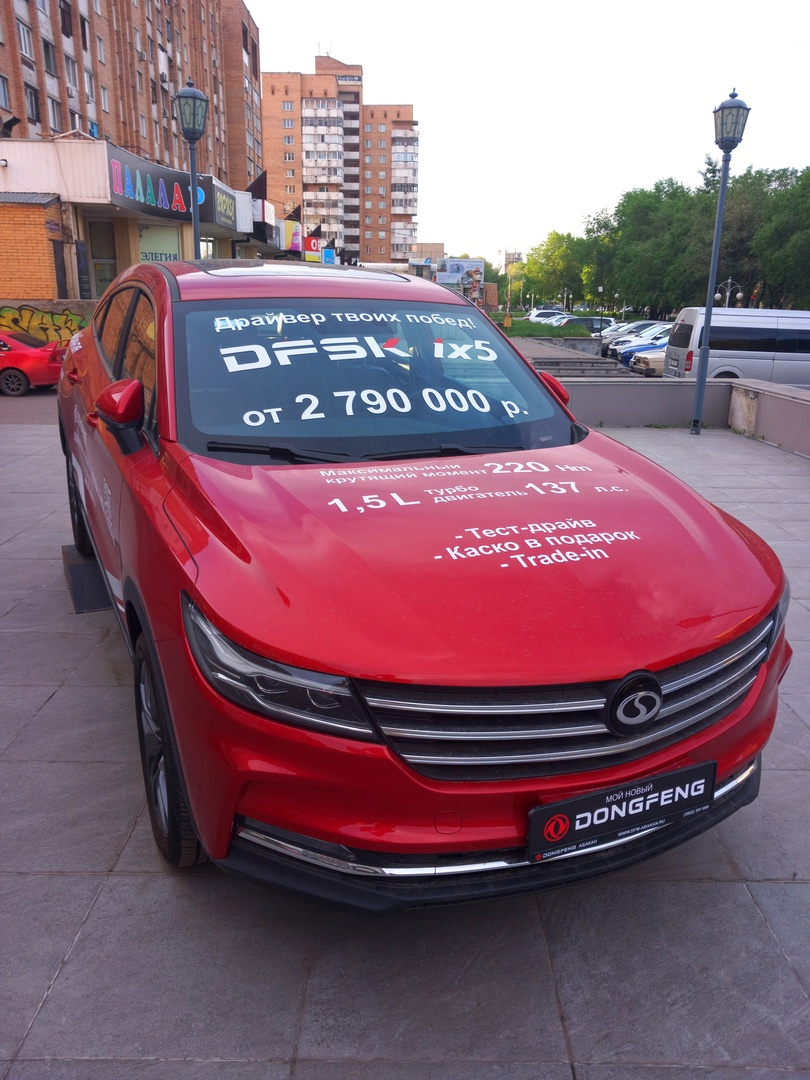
(14, 383)
(168, 809)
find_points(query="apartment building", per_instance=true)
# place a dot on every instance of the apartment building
(110, 69)
(86, 104)
(347, 168)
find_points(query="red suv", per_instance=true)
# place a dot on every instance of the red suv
(403, 631)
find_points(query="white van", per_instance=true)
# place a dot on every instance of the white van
(746, 343)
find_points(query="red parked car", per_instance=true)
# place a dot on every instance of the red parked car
(403, 631)
(27, 361)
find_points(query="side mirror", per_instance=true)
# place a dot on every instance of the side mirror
(556, 387)
(120, 406)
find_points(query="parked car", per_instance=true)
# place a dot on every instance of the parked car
(403, 631)
(542, 314)
(644, 337)
(650, 364)
(590, 322)
(27, 361)
(626, 330)
(657, 341)
(746, 343)
(614, 328)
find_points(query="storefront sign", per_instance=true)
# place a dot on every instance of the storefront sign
(312, 249)
(218, 204)
(159, 243)
(149, 188)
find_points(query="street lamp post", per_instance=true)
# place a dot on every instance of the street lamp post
(727, 286)
(729, 125)
(192, 106)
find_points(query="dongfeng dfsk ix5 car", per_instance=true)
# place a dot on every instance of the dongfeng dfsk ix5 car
(403, 631)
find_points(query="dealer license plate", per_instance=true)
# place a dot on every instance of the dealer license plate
(572, 827)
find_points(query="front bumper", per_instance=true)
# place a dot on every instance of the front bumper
(371, 881)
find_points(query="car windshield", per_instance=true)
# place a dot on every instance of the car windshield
(314, 379)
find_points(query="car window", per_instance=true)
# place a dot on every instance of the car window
(24, 339)
(356, 378)
(138, 358)
(111, 322)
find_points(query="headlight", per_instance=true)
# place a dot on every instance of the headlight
(306, 698)
(779, 615)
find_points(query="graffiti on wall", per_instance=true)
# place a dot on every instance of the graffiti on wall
(48, 325)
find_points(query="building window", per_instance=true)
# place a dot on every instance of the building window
(142, 121)
(288, 140)
(381, 127)
(100, 49)
(4, 100)
(286, 106)
(42, 5)
(139, 81)
(31, 103)
(71, 72)
(289, 155)
(382, 174)
(382, 191)
(90, 85)
(50, 56)
(368, 127)
(54, 114)
(26, 40)
(287, 123)
(381, 234)
(289, 189)
(65, 19)
(367, 144)
(290, 172)
(105, 100)
(382, 144)
(382, 159)
(367, 234)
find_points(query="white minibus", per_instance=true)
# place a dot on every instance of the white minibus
(746, 343)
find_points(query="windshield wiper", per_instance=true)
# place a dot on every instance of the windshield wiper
(443, 450)
(282, 450)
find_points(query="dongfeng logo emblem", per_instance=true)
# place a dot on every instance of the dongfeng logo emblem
(556, 828)
(635, 705)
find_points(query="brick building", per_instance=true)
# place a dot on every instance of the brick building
(347, 167)
(87, 114)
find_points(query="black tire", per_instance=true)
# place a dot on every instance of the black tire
(81, 534)
(168, 811)
(726, 375)
(14, 383)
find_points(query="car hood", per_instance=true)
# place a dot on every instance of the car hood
(576, 563)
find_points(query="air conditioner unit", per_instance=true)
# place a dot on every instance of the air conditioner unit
(164, 77)
(71, 92)
(141, 55)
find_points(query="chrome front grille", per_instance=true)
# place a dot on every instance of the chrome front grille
(467, 733)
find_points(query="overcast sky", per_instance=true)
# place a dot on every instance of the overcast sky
(532, 122)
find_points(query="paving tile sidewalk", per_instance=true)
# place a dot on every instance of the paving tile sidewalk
(692, 965)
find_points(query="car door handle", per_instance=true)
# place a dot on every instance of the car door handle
(72, 376)
(91, 419)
